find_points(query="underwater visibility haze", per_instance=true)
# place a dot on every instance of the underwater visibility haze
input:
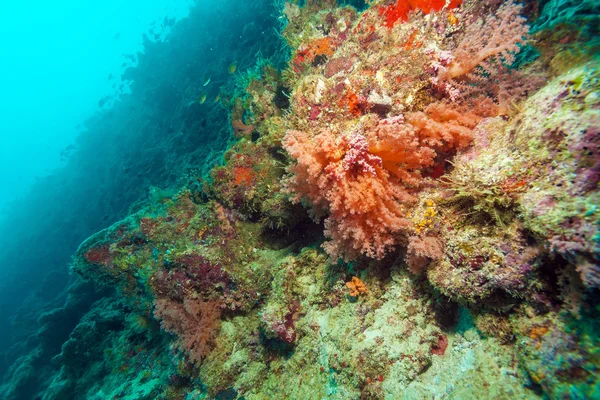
(269, 199)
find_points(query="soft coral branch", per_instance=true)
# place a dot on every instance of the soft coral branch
(499, 36)
(195, 322)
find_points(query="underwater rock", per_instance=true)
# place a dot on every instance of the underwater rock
(558, 133)
(559, 352)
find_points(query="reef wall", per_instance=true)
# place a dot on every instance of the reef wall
(410, 210)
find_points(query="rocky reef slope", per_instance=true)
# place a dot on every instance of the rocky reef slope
(410, 211)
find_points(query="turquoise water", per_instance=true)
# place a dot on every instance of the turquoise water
(95, 111)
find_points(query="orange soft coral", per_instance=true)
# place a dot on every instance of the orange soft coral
(364, 180)
(322, 47)
(318, 47)
(244, 176)
(356, 287)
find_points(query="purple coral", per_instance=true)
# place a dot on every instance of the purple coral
(285, 329)
(207, 274)
(192, 274)
(282, 328)
(358, 159)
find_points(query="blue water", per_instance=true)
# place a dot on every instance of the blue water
(59, 59)
(99, 103)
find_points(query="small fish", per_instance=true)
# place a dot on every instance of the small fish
(232, 68)
(591, 211)
(207, 82)
(217, 98)
(202, 98)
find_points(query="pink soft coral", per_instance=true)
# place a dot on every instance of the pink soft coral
(499, 36)
(480, 64)
(364, 180)
(421, 250)
(195, 322)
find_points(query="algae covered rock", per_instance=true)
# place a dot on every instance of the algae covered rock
(558, 133)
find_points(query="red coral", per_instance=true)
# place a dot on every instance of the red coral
(395, 12)
(315, 112)
(235, 183)
(194, 322)
(354, 104)
(244, 176)
(400, 10)
(439, 349)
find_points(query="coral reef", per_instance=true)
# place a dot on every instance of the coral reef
(365, 180)
(401, 216)
(368, 133)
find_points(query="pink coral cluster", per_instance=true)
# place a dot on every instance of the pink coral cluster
(194, 321)
(480, 63)
(421, 250)
(498, 36)
(358, 159)
(363, 181)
